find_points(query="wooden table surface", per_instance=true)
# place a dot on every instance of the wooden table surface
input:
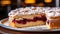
(7, 31)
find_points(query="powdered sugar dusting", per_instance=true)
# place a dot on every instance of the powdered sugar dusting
(25, 11)
(51, 12)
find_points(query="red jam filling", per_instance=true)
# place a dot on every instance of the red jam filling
(43, 18)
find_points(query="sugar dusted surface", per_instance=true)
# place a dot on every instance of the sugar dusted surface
(51, 12)
(25, 11)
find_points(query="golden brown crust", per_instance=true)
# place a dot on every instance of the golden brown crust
(58, 17)
(12, 25)
(53, 24)
(31, 16)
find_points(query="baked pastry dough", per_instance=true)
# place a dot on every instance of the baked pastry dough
(26, 17)
(35, 16)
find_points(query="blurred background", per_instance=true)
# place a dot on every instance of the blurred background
(7, 5)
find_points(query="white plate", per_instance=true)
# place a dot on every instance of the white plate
(42, 28)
